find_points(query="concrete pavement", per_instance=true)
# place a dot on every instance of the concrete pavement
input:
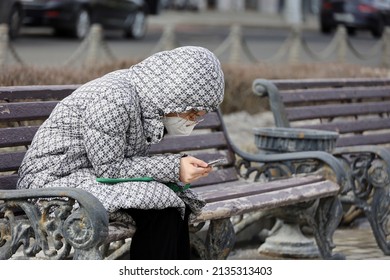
(355, 243)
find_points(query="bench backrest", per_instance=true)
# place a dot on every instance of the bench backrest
(23, 108)
(358, 109)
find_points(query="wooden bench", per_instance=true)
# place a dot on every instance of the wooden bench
(359, 110)
(55, 229)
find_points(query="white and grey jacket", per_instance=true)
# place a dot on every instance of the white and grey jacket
(106, 126)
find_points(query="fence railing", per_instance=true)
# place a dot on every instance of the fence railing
(93, 48)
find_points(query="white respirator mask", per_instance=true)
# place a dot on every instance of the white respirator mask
(178, 126)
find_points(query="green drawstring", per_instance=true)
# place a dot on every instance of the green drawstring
(173, 186)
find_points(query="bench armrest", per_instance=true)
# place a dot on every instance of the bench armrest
(57, 219)
(265, 88)
(286, 160)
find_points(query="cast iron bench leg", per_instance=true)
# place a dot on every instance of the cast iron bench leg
(324, 223)
(220, 239)
(371, 188)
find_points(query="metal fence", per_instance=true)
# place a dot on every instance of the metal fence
(93, 48)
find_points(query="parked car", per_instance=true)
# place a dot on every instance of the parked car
(372, 15)
(75, 17)
(11, 13)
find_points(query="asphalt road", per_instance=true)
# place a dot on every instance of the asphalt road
(38, 46)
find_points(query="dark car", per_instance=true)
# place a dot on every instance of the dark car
(372, 15)
(75, 17)
(11, 13)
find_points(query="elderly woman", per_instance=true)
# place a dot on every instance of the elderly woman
(104, 130)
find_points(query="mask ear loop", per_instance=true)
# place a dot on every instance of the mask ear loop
(179, 119)
(195, 123)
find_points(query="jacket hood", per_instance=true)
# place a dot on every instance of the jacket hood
(176, 81)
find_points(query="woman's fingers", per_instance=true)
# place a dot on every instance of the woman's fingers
(192, 169)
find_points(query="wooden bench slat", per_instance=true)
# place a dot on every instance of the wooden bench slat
(8, 182)
(11, 161)
(371, 139)
(55, 92)
(230, 190)
(313, 95)
(269, 200)
(332, 82)
(190, 143)
(17, 136)
(333, 110)
(352, 126)
(26, 110)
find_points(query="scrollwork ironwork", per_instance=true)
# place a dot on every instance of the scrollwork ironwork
(51, 228)
(276, 170)
(371, 192)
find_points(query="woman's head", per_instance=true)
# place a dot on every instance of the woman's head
(185, 79)
(180, 80)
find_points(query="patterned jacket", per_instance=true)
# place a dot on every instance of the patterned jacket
(106, 126)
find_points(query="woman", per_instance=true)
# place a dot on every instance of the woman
(105, 128)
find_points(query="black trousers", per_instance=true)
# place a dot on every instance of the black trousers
(160, 234)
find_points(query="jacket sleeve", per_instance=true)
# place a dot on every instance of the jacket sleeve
(105, 123)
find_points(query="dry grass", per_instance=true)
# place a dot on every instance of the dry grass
(238, 92)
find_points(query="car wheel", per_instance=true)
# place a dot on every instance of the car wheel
(14, 22)
(378, 29)
(351, 31)
(325, 28)
(83, 24)
(137, 29)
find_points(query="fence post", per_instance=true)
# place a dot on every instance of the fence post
(342, 44)
(235, 44)
(4, 41)
(168, 40)
(386, 49)
(94, 39)
(296, 45)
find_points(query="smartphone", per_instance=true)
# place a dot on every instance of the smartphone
(215, 162)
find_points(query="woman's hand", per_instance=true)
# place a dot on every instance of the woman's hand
(192, 169)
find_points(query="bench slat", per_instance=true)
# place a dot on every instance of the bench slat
(230, 190)
(269, 200)
(327, 111)
(314, 95)
(190, 143)
(56, 92)
(11, 161)
(325, 83)
(26, 110)
(8, 182)
(371, 139)
(17, 136)
(352, 126)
